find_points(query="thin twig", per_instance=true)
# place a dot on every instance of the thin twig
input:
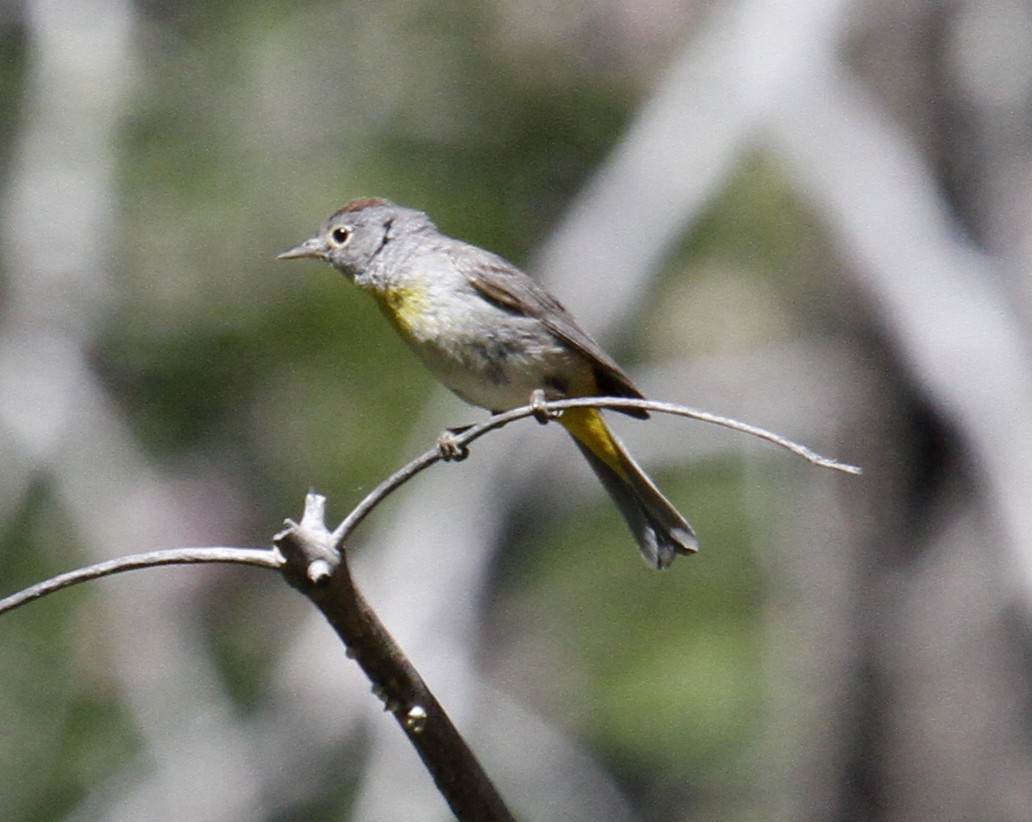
(461, 441)
(799, 450)
(262, 557)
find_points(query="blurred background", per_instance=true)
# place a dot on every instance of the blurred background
(812, 215)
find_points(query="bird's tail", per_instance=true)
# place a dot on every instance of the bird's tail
(662, 533)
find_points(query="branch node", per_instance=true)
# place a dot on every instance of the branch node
(314, 516)
(308, 546)
(319, 572)
(391, 703)
(288, 526)
(415, 719)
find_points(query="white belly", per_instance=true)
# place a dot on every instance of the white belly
(493, 358)
(501, 370)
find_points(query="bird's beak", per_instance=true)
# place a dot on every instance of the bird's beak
(313, 249)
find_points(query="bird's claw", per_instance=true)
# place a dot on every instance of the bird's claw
(537, 407)
(448, 446)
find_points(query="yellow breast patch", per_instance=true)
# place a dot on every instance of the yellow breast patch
(407, 307)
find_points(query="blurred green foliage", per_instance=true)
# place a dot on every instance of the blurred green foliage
(250, 123)
(61, 729)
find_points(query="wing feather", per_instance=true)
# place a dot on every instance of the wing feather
(507, 287)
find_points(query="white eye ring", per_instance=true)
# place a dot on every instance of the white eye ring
(340, 236)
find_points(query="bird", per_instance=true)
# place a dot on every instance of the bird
(497, 339)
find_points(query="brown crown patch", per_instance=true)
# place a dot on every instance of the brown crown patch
(361, 203)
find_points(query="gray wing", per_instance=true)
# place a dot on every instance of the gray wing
(507, 287)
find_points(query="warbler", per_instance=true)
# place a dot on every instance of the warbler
(497, 339)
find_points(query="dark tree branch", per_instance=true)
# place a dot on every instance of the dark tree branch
(320, 572)
(313, 561)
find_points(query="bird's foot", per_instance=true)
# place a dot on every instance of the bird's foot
(537, 405)
(448, 446)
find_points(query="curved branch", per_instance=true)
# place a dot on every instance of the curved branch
(461, 441)
(313, 561)
(261, 557)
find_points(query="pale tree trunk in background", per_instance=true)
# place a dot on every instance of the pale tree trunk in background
(925, 650)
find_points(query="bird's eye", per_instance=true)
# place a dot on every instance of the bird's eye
(340, 236)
